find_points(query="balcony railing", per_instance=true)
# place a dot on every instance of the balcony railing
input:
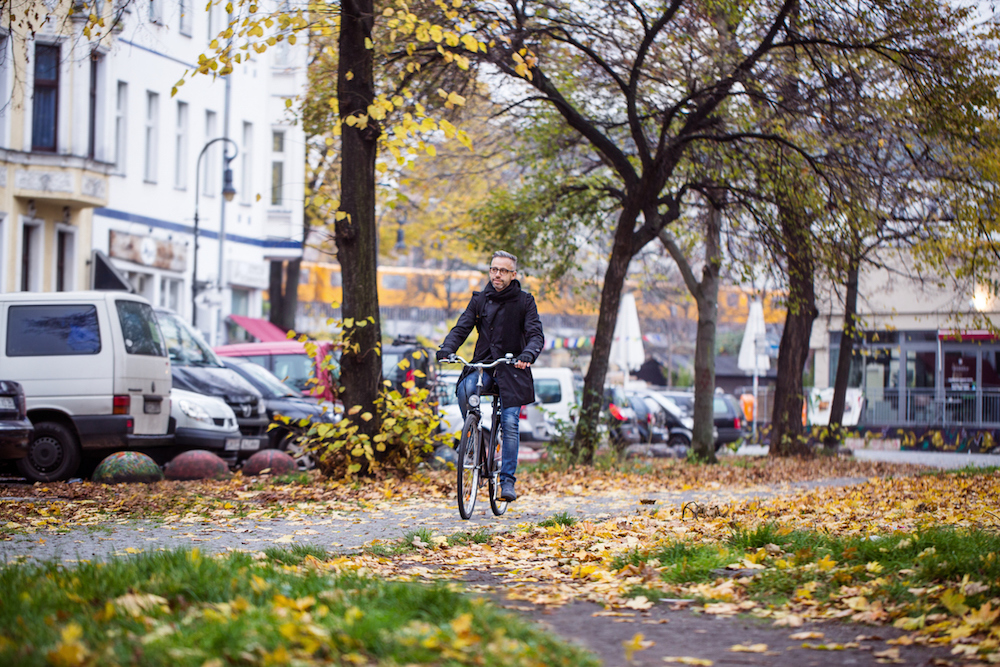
(925, 407)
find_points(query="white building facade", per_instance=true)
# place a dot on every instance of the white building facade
(148, 162)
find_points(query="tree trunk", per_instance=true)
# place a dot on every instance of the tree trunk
(707, 299)
(290, 298)
(787, 437)
(835, 435)
(585, 440)
(275, 292)
(356, 235)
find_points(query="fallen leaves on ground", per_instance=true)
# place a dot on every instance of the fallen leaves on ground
(61, 505)
(556, 564)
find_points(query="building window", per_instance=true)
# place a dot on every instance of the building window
(152, 131)
(170, 294)
(184, 24)
(156, 11)
(121, 129)
(5, 66)
(31, 256)
(65, 256)
(92, 103)
(3, 252)
(277, 168)
(211, 166)
(180, 147)
(45, 109)
(240, 301)
(246, 186)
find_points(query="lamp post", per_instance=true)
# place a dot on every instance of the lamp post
(228, 191)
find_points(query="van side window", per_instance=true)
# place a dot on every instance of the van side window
(139, 328)
(548, 391)
(58, 330)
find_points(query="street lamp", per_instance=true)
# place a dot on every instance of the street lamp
(228, 191)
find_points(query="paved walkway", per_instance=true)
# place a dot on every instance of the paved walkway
(341, 531)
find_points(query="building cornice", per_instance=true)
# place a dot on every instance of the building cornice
(56, 160)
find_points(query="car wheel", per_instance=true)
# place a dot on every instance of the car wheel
(679, 440)
(53, 454)
(303, 459)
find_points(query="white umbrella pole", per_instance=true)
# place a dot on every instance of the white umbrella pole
(755, 405)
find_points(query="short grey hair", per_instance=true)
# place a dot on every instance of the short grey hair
(505, 255)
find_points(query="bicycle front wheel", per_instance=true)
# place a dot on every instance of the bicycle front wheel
(468, 466)
(496, 450)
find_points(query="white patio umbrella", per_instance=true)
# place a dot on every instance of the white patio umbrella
(626, 346)
(753, 357)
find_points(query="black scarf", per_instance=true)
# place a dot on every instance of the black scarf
(509, 294)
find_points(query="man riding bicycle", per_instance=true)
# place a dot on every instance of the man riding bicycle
(507, 321)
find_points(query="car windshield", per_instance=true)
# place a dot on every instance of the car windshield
(265, 381)
(295, 370)
(184, 344)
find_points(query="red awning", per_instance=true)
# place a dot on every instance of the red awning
(263, 330)
(974, 335)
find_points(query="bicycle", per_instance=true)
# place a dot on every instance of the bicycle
(475, 462)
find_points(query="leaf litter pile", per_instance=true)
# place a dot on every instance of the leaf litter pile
(920, 552)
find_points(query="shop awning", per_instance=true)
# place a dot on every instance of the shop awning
(261, 329)
(974, 335)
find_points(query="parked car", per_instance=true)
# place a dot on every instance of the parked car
(95, 371)
(555, 400)
(728, 418)
(620, 417)
(196, 368)
(279, 399)
(290, 362)
(448, 409)
(15, 427)
(651, 428)
(207, 422)
(682, 399)
(406, 360)
(534, 424)
(671, 417)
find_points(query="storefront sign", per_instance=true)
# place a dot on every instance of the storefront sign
(149, 251)
(248, 274)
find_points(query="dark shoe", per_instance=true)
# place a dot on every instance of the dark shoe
(507, 492)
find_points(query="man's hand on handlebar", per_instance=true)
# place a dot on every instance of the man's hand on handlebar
(523, 361)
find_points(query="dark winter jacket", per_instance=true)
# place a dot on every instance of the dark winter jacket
(507, 321)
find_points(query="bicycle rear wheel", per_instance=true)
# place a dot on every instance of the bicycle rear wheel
(468, 466)
(496, 449)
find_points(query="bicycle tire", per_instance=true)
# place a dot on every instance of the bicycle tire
(498, 506)
(468, 466)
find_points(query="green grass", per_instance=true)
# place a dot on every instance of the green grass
(683, 563)
(481, 536)
(890, 567)
(185, 608)
(940, 556)
(561, 519)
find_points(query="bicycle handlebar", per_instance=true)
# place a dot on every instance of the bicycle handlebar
(455, 359)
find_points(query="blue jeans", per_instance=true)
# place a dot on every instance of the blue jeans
(509, 421)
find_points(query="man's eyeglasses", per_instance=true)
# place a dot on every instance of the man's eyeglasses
(499, 271)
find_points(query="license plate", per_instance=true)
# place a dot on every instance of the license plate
(249, 444)
(6, 403)
(232, 444)
(151, 407)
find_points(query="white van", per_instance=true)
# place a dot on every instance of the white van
(95, 372)
(555, 399)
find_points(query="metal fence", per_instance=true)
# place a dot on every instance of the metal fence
(926, 406)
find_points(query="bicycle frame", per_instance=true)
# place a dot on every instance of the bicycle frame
(486, 460)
